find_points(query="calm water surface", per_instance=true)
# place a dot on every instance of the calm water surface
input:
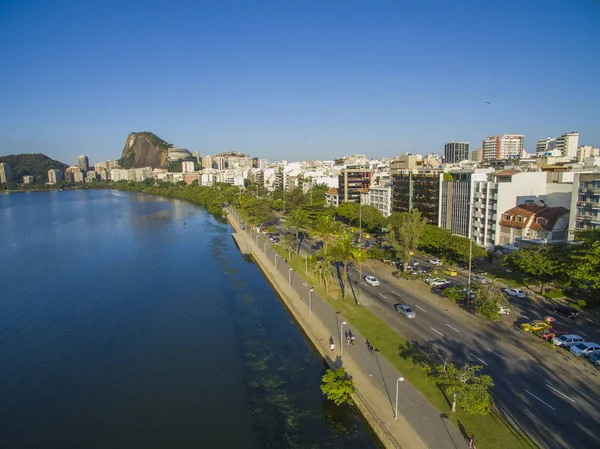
(122, 327)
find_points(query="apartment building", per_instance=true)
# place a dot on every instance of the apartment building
(5, 173)
(379, 197)
(54, 176)
(454, 152)
(506, 146)
(352, 180)
(187, 166)
(83, 162)
(585, 203)
(90, 176)
(417, 189)
(533, 224)
(567, 144)
(545, 145)
(207, 162)
(28, 179)
(332, 198)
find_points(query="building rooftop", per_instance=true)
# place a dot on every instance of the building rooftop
(544, 217)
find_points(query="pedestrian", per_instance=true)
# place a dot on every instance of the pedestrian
(332, 346)
(472, 442)
(347, 338)
(352, 339)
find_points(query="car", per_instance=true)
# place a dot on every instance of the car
(435, 282)
(480, 279)
(534, 326)
(406, 311)
(371, 280)
(450, 272)
(569, 312)
(549, 333)
(515, 292)
(585, 349)
(437, 262)
(566, 341)
(502, 310)
(595, 358)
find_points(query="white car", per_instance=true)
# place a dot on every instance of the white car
(371, 280)
(480, 279)
(437, 262)
(436, 282)
(585, 349)
(515, 292)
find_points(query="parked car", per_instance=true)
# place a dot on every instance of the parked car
(595, 358)
(515, 292)
(585, 349)
(435, 262)
(569, 312)
(549, 333)
(435, 282)
(450, 272)
(371, 280)
(480, 279)
(566, 341)
(503, 310)
(406, 311)
(534, 326)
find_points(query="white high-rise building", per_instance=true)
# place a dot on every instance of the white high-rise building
(187, 166)
(54, 176)
(567, 144)
(508, 146)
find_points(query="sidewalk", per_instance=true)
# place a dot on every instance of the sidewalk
(419, 424)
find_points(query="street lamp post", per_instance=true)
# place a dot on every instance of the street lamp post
(276, 256)
(290, 278)
(341, 332)
(310, 301)
(470, 253)
(400, 379)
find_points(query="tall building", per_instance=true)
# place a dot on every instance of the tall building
(54, 176)
(5, 173)
(417, 189)
(508, 146)
(454, 152)
(187, 166)
(83, 162)
(352, 180)
(585, 203)
(567, 144)
(28, 179)
(207, 161)
(544, 145)
(477, 155)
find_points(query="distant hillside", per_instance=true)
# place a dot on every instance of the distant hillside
(36, 165)
(145, 149)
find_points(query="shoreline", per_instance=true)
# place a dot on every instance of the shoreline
(319, 340)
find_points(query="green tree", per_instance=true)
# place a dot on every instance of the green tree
(343, 252)
(538, 263)
(289, 243)
(348, 212)
(371, 219)
(326, 228)
(464, 385)
(359, 257)
(454, 293)
(404, 235)
(294, 199)
(297, 219)
(324, 269)
(583, 266)
(337, 387)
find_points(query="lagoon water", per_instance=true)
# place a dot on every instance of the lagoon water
(123, 327)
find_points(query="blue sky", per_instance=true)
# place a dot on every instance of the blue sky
(295, 79)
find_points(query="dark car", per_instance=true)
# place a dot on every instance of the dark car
(569, 312)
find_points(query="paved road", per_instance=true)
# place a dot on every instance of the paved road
(555, 404)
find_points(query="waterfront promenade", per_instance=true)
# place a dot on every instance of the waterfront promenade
(418, 424)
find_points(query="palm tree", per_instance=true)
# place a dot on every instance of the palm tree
(297, 219)
(324, 271)
(325, 228)
(359, 257)
(343, 252)
(288, 242)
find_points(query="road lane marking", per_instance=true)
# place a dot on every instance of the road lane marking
(408, 400)
(384, 297)
(397, 294)
(524, 316)
(421, 308)
(562, 394)
(496, 354)
(453, 328)
(473, 355)
(437, 332)
(427, 421)
(363, 283)
(545, 403)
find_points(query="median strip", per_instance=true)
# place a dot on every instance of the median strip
(545, 403)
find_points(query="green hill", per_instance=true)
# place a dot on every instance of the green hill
(36, 165)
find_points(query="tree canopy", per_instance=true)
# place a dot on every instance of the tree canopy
(337, 387)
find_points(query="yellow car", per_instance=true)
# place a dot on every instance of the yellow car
(450, 272)
(534, 326)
